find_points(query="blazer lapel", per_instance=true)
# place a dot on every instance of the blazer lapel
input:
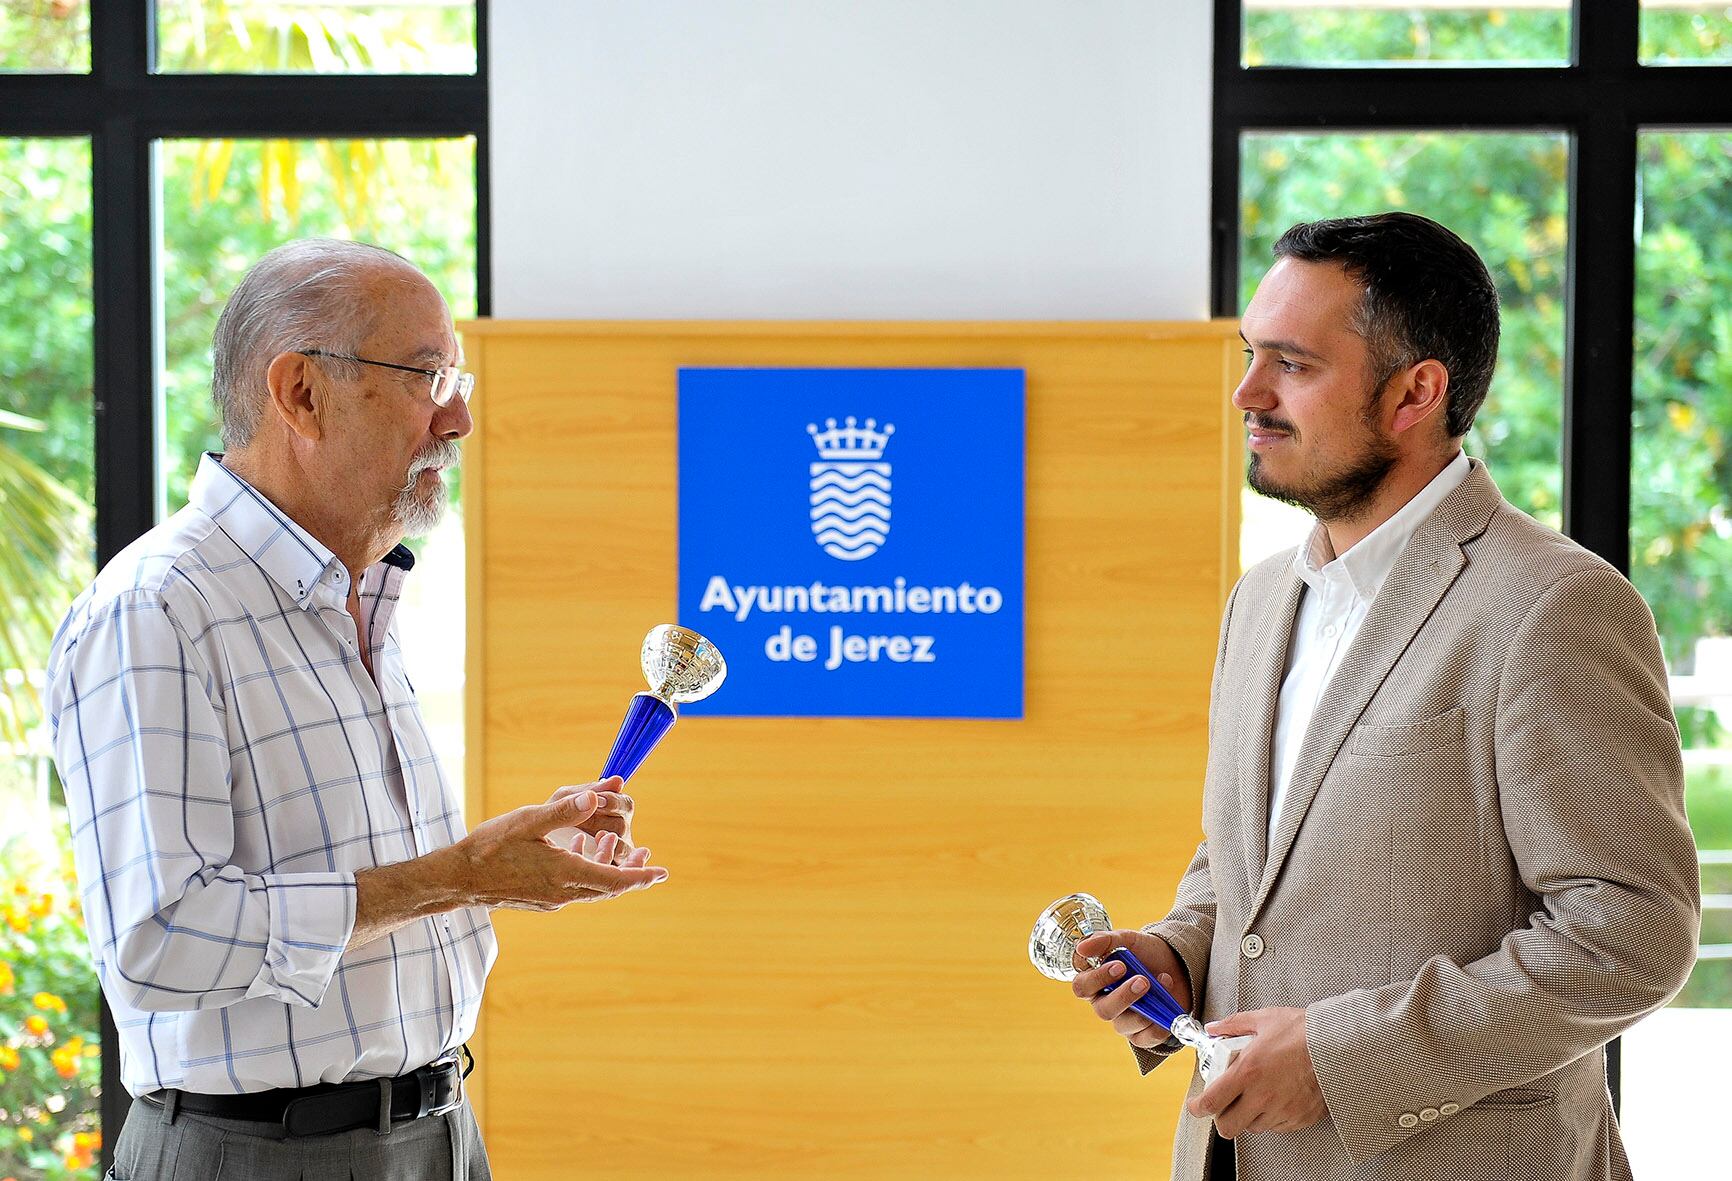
(1430, 563)
(1262, 695)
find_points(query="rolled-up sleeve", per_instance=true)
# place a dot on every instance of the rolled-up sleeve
(142, 749)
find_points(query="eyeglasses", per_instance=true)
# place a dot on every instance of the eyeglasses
(448, 383)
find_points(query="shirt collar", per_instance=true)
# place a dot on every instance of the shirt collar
(1368, 563)
(295, 559)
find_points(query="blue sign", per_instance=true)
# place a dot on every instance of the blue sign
(851, 539)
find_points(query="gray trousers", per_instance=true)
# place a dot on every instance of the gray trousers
(160, 1144)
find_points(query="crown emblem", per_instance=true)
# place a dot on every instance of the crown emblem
(849, 441)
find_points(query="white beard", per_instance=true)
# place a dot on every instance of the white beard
(416, 516)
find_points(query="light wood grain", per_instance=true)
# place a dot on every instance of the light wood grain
(834, 981)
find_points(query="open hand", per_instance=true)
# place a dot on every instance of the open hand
(510, 860)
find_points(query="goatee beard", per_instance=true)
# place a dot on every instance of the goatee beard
(417, 517)
(1340, 495)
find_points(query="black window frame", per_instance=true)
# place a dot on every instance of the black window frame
(1603, 100)
(122, 106)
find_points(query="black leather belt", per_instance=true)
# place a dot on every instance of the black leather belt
(328, 1108)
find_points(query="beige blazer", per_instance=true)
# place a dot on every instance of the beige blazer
(1484, 872)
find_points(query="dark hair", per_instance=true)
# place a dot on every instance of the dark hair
(1426, 295)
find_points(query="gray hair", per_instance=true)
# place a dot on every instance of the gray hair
(309, 294)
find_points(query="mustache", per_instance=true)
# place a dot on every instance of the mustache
(443, 453)
(1259, 422)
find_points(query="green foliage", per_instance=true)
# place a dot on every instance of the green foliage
(1347, 33)
(235, 36)
(44, 562)
(47, 355)
(1681, 530)
(50, 1067)
(1708, 796)
(48, 36)
(46, 428)
(1671, 35)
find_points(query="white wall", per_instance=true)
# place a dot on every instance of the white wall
(856, 159)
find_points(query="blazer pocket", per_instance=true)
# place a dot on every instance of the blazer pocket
(1411, 738)
(1517, 1098)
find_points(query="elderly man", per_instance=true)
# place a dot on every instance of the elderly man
(1445, 855)
(286, 915)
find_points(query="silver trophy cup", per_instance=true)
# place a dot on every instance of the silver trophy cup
(680, 666)
(1052, 948)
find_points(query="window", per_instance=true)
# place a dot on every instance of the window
(131, 198)
(45, 36)
(1617, 351)
(1307, 32)
(1685, 32)
(50, 1065)
(328, 37)
(1681, 559)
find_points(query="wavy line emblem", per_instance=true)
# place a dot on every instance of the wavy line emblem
(850, 488)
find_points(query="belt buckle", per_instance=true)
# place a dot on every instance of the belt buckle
(427, 1080)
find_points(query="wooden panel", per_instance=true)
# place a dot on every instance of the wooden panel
(834, 981)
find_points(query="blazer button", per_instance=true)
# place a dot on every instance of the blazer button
(1428, 1114)
(1252, 946)
(1449, 1109)
(1408, 1120)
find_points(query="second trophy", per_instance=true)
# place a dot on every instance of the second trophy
(1052, 948)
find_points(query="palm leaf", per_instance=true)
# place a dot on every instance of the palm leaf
(45, 558)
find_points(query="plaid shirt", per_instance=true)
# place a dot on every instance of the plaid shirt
(228, 766)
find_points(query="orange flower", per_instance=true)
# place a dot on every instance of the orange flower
(66, 1065)
(27, 1134)
(17, 919)
(21, 888)
(86, 1141)
(36, 1024)
(49, 1002)
(7, 979)
(8, 1058)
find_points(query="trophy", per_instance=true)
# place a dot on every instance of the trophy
(680, 666)
(1074, 918)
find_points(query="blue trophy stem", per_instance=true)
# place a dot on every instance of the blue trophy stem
(646, 720)
(1157, 1004)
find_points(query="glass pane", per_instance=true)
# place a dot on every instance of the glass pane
(45, 36)
(318, 37)
(50, 1064)
(1440, 32)
(1685, 31)
(224, 204)
(1511, 208)
(1681, 560)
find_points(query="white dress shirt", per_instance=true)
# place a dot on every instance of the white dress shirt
(1338, 592)
(229, 764)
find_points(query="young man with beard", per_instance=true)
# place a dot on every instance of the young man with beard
(286, 915)
(1445, 855)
